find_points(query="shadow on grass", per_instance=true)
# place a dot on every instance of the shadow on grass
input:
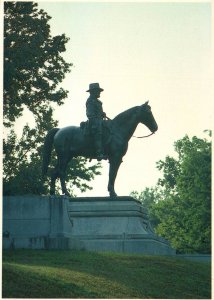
(113, 276)
(36, 285)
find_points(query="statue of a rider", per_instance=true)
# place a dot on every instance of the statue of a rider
(95, 115)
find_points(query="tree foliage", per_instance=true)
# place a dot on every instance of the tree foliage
(33, 69)
(33, 65)
(182, 208)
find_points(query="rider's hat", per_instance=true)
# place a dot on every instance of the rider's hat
(93, 86)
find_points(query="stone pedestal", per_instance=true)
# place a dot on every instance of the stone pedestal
(96, 224)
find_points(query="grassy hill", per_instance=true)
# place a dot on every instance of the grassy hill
(80, 274)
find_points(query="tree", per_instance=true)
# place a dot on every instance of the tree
(33, 66)
(33, 69)
(183, 209)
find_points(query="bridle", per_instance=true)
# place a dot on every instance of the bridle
(144, 136)
(137, 137)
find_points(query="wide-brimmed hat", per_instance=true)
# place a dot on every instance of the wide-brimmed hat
(93, 86)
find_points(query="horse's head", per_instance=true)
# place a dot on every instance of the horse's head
(146, 117)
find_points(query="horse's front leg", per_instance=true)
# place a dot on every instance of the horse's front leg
(113, 169)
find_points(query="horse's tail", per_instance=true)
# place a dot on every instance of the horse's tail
(48, 145)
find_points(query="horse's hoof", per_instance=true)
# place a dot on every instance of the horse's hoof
(67, 194)
(113, 195)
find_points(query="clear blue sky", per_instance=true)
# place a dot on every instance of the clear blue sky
(140, 51)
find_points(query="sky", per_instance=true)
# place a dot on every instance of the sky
(137, 51)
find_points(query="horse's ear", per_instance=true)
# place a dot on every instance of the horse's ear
(145, 104)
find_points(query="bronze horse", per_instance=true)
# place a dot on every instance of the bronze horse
(71, 141)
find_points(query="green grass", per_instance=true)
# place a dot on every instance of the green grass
(80, 274)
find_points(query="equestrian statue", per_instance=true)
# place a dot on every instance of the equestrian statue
(97, 138)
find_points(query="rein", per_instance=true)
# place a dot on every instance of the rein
(138, 137)
(144, 136)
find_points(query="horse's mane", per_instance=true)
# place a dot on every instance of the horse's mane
(122, 117)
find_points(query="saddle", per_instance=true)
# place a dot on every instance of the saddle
(106, 130)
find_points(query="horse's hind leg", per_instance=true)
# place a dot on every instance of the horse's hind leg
(63, 162)
(59, 172)
(54, 176)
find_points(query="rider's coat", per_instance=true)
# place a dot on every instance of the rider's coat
(94, 108)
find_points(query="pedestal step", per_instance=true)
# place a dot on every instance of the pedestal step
(96, 224)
